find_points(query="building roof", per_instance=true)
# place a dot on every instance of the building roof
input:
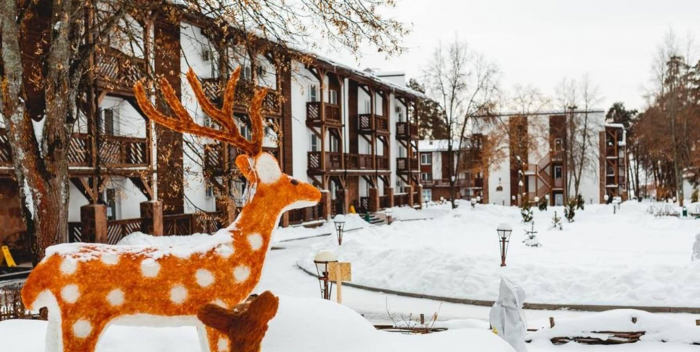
(435, 145)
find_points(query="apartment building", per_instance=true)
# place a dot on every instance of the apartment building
(534, 164)
(351, 133)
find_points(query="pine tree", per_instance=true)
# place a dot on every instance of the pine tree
(580, 203)
(526, 211)
(570, 210)
(556, 221)
(542, 205)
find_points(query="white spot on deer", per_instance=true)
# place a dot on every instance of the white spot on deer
(150, 268)
(224, 250)
(241, 273)
(204, 277)
(222, 345)
(178, 294)
(267, 168)
(110, 258)
(255, 241)
(68, 266)
(70, 293)
(82, 328)
(115, 297)
(219, 303)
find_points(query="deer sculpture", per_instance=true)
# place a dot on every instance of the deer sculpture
(88, 286)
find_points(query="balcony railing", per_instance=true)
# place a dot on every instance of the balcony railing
(352, 161)
(313, 112)
(114, 151)
(406, 165)
(382, 123)
(367, 124)
(214, 89)
(117, 71)
(404, 130)
(5, 150)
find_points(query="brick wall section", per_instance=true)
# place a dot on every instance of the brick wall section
(169, 146)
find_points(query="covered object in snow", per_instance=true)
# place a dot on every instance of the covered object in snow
(507, 317)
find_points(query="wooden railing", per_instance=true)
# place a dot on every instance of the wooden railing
(214, 89)
(115, 151)
(75, 232)
(382, 163)
(333, 113)
(364, 204)
(308, 214)
(384, 201)
(117, 71)
(313, 112)
(404, 130)
(382, 123)
(187, 224)
(5, 150)
(400, 199)
(352, 161)
(405, 164)
(118, 229)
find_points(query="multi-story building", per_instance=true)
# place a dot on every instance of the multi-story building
(535, 164)
(351, 133)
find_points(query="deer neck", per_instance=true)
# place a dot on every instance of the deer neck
(260, 216)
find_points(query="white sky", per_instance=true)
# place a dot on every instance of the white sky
(539, 42)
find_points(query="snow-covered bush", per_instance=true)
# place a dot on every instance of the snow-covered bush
(570, 210)
(580, 203)
(663, 209)
(526, 211)
(544, 202)
(556, 221)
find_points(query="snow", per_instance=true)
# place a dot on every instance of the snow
(631, 258)
(352, 222)
(301, 324)
(154, 247)
(39, 132)
(430, 212)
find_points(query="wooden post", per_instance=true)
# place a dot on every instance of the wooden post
(373, 200)
(551, 322)
(93, 219)
(389, 193)
(326, 202)
(338, 284)
(152, 217)
(409, 191)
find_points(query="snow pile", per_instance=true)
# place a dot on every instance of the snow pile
(431, 212)
(352, 222)
(309, 325)
(657, 328)
(631, 258)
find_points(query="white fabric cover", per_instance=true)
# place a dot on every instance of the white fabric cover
(507, 316)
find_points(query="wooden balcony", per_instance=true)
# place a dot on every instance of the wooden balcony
(215, 163)
(405, 165)
(353, 162)
(117, 72)
(313, 114)
(114, 151)
(366, 124)
(214, 89)
(406, 131)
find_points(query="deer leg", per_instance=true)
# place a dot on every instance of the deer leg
(217, 341)
(81, 334)
(53, 334)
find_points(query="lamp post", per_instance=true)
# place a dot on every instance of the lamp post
(473, 202)
(389, 213)
(339, 221)
(321, 260)
(504, 230)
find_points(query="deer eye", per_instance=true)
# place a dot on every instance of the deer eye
(294, 182)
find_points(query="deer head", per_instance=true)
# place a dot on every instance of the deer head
(261, 169)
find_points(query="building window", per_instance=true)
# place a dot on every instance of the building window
(315, 143)
(333, 97)
(313, 93)
(426, 159)
(399, 114)
(210, 191)
(247, 73)
(427, 195)
(425, 176)
(109, 118)
(111, 200)
(245, 131)
(557, 172)
(368, 107)
(558, 144)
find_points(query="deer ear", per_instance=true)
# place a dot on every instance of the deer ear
(267, 168)
(216, 317)
(243, 163)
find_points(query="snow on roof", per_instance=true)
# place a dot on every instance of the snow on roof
(614, 125)
(435, 145)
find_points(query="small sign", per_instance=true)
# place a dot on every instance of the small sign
(345, 271)
(7, 257)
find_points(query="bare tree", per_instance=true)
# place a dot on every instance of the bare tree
(464, 83)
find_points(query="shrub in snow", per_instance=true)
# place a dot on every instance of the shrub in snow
(580, 202)
(544, 202)
(570, 210)
(695, 195)
(507, 317)
(531, 240)
(526, 211)
(556, 221)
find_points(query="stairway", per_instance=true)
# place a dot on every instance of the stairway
(374, 219)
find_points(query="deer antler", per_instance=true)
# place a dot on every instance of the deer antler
(182, 121)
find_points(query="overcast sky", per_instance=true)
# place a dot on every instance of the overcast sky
(539, 42)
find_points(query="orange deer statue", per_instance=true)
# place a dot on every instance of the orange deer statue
(86, 287)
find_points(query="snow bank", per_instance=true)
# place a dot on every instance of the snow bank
(630, 258)
(431, 212)
(658, 328)
(308, 325)
(352, 222)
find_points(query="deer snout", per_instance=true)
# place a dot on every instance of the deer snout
(304, 191)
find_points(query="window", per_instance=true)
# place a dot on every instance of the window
(399, 114)
(247, 73)
(313, 93)
(245, 131)
(557, 172)
(425, 176)
(426, 159)
(333, 97)
(206, 55)
(427, 195)
(210, 192)
(108, 120)
(368, 107)
(260, 70)
(111, 200)
(335, 145)
(558, 145)
(315, 143)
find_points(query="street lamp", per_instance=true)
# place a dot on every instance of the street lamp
(389, 213)
(339, 221)
(473, 202)
(504, 230)
(321, 260)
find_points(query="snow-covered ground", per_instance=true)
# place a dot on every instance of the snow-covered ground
(630, 258)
